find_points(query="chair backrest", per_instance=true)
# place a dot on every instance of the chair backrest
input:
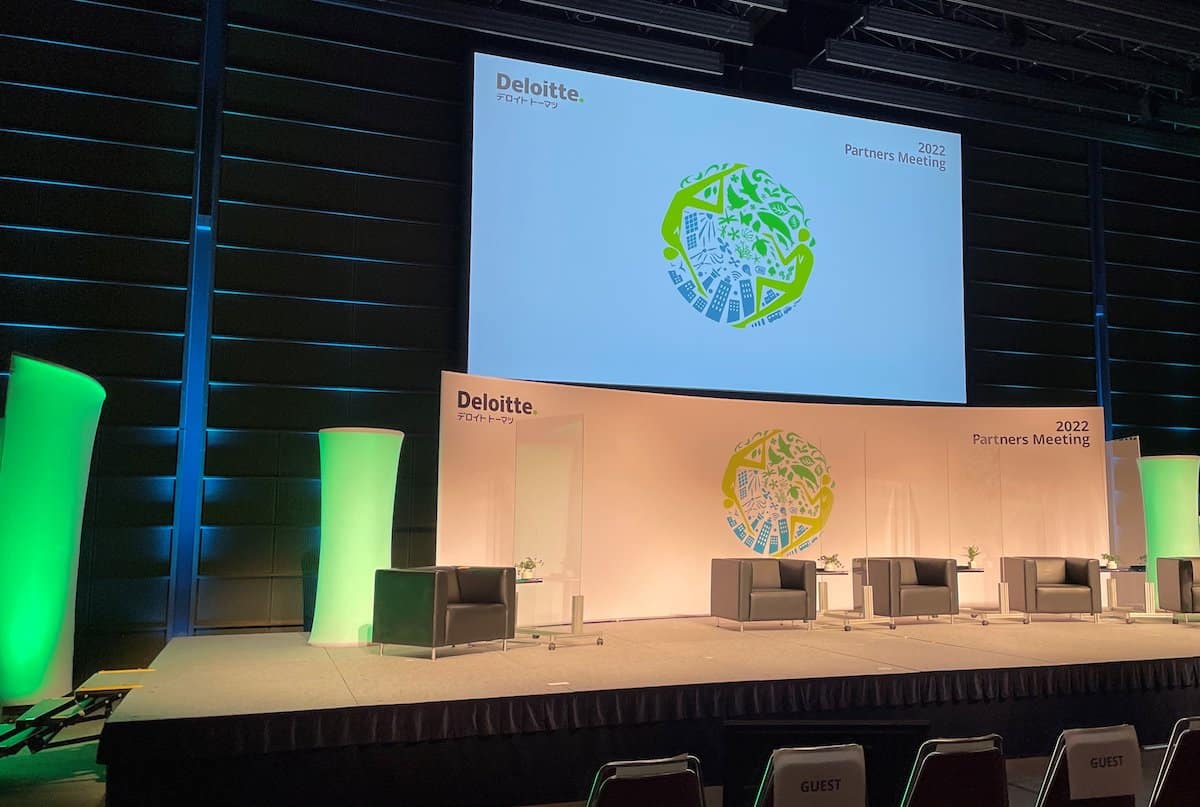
(822, 776)
(1099, 767)
(670, 782)
(764, 573)
(1178, 784)
(962, 770)
(1051, 570)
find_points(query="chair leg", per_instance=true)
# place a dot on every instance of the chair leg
(433, 654)
(381, 648)
(504, 645)
(741, 627)
(810, 623)
(952, 619)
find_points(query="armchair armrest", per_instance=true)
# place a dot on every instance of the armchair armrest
(1176, 577)
(410, 606)
(1086, 572)
(730, 592)
(1021, 576)
(883, 576)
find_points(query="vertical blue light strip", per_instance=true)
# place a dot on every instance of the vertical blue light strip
(193, 403)
(1099, 282)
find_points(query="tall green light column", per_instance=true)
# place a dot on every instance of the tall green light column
(45, 458)
(1169, 497)
(358, 496)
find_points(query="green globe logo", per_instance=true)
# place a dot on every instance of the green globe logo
(738, 247)
(778, 493)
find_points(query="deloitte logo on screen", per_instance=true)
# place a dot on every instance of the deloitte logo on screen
(778, 492)
(554, 90)
(738, 245)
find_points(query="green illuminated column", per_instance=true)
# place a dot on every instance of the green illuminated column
(46, 454)
(1169, 496)
(358, 494)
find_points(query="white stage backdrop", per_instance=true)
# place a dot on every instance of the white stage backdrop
(642, 490)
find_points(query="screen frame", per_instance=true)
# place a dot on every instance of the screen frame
(670, 79)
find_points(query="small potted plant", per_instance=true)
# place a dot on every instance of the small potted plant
(972, 552)
(1110, 559)
(828, 562)
(525, 568)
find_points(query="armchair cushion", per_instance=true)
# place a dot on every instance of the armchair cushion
(924, 600)
(1064, 598)
(472, 622)
(782, 603)
(1051, 570)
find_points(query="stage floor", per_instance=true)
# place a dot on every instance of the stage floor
(211, 676)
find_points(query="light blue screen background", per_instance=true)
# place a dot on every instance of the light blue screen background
(568, 281)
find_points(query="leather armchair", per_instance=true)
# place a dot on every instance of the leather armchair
(1179, 586)
(1052, 585)
(764, 589)
(912, 586)
(437, 606)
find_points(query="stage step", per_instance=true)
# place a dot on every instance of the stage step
(14, 739)
(43, 710)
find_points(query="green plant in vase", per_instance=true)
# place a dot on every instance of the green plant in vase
(971, 552)
(829, 562)
(1111, 560)
(526, 567)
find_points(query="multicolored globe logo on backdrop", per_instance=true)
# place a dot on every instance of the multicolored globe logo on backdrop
(738, 246)
(778, 493)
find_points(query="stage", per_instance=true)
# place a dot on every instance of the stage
(229, 711)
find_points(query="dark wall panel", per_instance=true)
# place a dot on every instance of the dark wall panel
(1152, 240)
(336, 285)
(1028, 294)
(97, 119)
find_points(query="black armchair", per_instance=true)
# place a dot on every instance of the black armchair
(1052, 585)
(904, 586)
(438, 606)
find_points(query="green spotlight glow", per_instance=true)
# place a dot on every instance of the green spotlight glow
(1169, 499)
(358, 495)
(45, 456)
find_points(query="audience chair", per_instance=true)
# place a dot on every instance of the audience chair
(1100, 767)
(1178, 587)
(764, 590)
(968, 770)
(912, 586)
(1177, 784)
(670, 782)
(824, 776)
(1052, 585)
(440, 606)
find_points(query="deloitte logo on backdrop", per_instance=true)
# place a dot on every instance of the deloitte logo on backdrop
(738, 245)
(540, 89)
(778, 492)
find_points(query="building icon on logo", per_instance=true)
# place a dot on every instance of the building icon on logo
(778, 493)
(737, 245)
